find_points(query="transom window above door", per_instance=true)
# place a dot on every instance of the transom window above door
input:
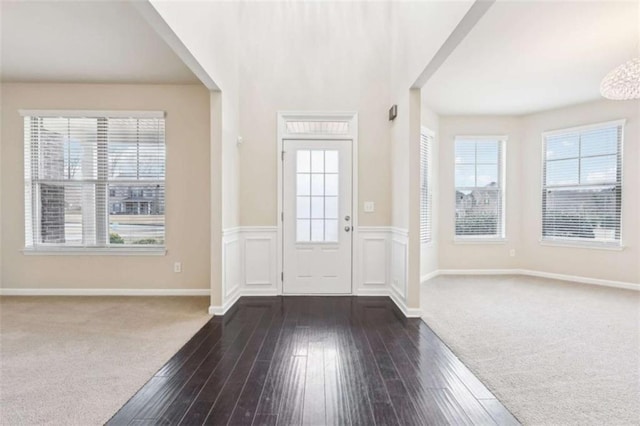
(317, 195)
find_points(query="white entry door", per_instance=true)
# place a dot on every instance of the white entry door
(317, 219)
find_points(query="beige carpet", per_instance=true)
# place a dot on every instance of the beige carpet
(553, 352)
(77, 360)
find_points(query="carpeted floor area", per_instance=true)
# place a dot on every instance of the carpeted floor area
(554, 352)
(77, 360)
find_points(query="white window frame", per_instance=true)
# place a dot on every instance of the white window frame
(111, 250)
(578, 242)
(426, 185)
(501, 238)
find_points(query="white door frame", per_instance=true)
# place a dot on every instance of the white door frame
(352, 134)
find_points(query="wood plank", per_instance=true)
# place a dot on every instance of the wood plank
(313, 361)
(201, 405)
(226, 401)
(188, 349)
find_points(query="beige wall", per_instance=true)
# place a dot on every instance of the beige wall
(210, 32)
(603, 264)
(280, 72)
(457, 255)
(187, 189)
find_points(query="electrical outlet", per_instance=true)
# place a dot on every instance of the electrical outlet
(512, 252)
(177, 267)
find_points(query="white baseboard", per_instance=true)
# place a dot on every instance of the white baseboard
(260, 292)
(476, 272)
(399, 301)
(582, 280)
(427, 277)
(221, 310)
(103, 292)
(531, 273)
(383, 290)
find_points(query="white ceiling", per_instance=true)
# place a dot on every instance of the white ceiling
(524, 57)
(92, 42)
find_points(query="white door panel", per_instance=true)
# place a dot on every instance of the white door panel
(317, 225)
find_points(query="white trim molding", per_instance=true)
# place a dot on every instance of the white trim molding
(407, 312)
(104, 292)
(532, 273)
(351, 133)
(248, 264)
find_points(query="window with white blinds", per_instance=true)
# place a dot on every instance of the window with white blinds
(582, 185)
(426, 143)
(479, 181)
(94, 181)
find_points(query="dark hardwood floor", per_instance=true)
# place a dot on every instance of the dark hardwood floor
(314, 361)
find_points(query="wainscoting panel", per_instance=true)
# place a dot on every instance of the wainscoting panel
(399, 260)
(230, 261)
(249, 254)
(371, 261)
(259, 269)
(250, 264)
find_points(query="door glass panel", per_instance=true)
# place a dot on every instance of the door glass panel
(331, 207)
(304, 184)
(303, 229)
(317, 161)
(317, 195)
(317, 230)
(331, 184)
(331, 161)
(304, 161)
(317, 207)
(304, 208)
(331, 230)
(317, 184)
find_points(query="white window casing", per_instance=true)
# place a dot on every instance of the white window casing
(480, 188)
(582, 186)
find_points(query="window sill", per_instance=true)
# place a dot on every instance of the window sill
(480, 240)
(79, 251)
(582, 245)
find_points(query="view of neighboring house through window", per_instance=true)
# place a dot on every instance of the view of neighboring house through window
(426, 142)
(582, 184)
(479, 181)
(94, 181)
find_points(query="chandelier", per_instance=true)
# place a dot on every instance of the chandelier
(623, 82)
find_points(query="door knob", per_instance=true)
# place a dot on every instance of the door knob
(347, 228)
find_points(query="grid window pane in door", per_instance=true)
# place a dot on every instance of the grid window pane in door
(317, 195)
